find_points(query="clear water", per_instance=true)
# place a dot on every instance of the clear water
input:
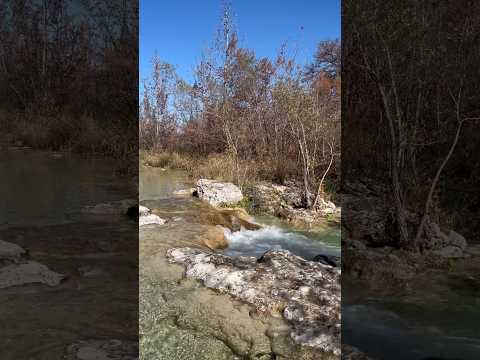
(39, 188)
(156, 190)
(42, 196)
(436, 317)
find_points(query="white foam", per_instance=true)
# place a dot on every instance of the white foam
(257, 242)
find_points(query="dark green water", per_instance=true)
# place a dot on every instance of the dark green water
(438, 316)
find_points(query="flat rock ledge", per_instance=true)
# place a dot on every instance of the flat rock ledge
(16, 269)
(305, 293)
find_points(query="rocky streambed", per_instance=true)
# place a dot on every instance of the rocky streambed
(199, 302)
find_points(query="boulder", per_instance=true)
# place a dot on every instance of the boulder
(455, 239)
(10, 252)
(449, 252)
(147, 218)
(28, 273)
(214, 238)
(16, 269)
(143, 211)
(304, 293)
(218, 193)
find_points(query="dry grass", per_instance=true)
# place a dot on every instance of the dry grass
(167, 160)
(218, 166)
(82, 135)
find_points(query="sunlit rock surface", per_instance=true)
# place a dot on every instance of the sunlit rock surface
(305, 293)
(147, 218)
(218, 193)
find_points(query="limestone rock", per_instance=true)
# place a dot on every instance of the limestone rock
(10, 252)
(147, 218)
(455, 239)
(142, 211)
(452, 252)
(217, 193)
(28, 273)
(214, 238)
(150, 219)
(305, 293)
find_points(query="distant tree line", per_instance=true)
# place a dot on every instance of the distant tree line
(271, 114)
(64, 61)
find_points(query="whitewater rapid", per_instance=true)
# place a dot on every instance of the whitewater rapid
(270, 237)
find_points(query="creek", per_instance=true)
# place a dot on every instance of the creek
(43, 194)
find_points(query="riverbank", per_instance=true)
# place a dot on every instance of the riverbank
(261, 195)
(78, 289)
(187, 313)
(415, 304)
(67, 134)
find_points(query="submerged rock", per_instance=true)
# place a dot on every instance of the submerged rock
(183, 192)
(217, 193)
(102, 350)
(233, 219)
(305, 293)
(330, 260)
(113, 208)
(214, 237)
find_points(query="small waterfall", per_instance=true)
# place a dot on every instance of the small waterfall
(257, 242)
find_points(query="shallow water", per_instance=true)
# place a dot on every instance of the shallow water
(181, 319)
(156, 191)
(436, 317)
(41, 211)
(41, 188)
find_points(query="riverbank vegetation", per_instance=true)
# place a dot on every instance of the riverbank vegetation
(411, 105)
(246, 118)
(68, 75)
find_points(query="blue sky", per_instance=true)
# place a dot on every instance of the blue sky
(179, 30)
